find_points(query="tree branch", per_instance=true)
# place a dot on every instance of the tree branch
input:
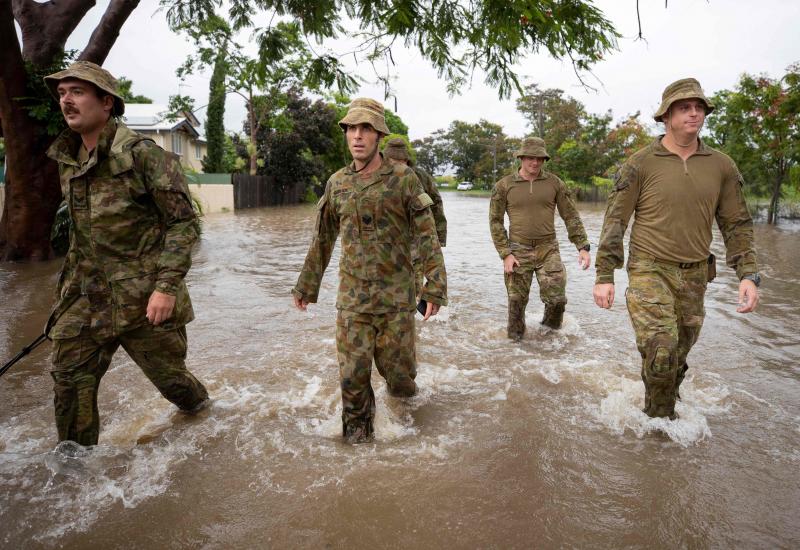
(107, 30)
(46, 26)
(12, 67)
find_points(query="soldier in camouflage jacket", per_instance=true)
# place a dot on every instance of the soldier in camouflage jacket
(132, 227)
(379, 209)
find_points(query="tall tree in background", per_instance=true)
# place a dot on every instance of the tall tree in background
(551, 115)
(283, 62)
(214, 162)
(431, 155)
(456, 38)
(758, 125)
(478, 152)
(297, 150)
(599, 149)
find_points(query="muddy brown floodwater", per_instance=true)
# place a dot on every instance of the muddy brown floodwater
(536, 444)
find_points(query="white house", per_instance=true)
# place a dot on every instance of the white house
(183, 136)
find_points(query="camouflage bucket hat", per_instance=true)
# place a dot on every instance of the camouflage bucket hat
(396, 149)
(532, 147)
(90, 72)
(686, 88)
(365, 111)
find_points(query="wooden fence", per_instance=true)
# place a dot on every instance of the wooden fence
(255, 191)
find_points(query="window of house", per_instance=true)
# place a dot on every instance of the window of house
(177, 143)
(198, 151)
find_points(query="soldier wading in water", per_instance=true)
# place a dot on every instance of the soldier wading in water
(675, 188)
(396, 151)
(530, 196)
(132, 227)
(379, 209)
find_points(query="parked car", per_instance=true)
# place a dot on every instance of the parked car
(464, 186)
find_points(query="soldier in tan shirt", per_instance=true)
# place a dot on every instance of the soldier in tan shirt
(530, 197)
(675, 188)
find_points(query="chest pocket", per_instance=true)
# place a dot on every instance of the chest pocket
(367, 214)
(79, 188)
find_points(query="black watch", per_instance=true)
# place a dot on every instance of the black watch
(586, 247)
(755, 277)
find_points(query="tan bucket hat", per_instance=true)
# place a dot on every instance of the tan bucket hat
(90, 72)
(397, 149)
(685, 88)
(364, 110)
(532, 147)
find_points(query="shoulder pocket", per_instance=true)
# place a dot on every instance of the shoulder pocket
(321, 203)
(421, 201)
(624, 177)
(120, 163)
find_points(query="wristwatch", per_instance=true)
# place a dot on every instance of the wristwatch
(755, 277)
(586, 247)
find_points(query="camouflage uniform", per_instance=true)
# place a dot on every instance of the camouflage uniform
(531, 238)
(376, 217)
(396, 149)
(132, 228)
(674, 203)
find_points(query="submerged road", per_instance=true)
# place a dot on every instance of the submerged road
(535, 444)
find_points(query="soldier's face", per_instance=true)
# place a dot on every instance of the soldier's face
(686, 116)
(362, 140)
(84, 110)
(532, 165)
(398, 161)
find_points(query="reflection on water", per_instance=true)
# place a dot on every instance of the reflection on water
(540, 443)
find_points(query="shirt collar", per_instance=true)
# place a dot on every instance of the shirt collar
(661, 151)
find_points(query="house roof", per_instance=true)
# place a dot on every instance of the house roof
(153, 117)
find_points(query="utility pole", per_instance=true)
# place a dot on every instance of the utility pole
(541, 115)
(494, 159)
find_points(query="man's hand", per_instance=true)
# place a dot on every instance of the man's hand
(300, 303)
(509, 263)
(584, 259)
(604, 295)
(431, 310)
(159, 307)
(748, 296)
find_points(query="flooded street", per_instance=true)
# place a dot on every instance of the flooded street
(535, 444)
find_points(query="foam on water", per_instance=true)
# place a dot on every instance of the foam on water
(621, 410)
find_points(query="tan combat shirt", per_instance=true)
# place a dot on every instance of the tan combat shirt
(675, 203)
(531, 210)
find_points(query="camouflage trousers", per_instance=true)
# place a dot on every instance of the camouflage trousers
(389, 339)
(543, 260)
(79, 364)
(665, 303)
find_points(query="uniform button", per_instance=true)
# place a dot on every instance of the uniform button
(366, 219)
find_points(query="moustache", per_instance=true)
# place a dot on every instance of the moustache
(70, 110)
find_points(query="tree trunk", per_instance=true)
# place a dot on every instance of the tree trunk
(772, 215)
(32, 192)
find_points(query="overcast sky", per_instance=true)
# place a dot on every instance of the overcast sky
(714, 41)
